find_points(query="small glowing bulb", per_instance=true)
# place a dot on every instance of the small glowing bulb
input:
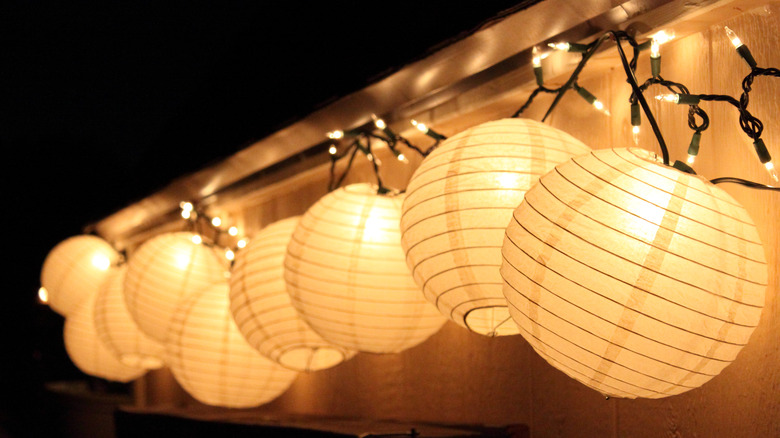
(336, 134)
(230, 255)
(771, 169)
(196, 239)
(663, 36)
(332, 150)
(370, 157)
(733, 37)
(691, 159)
(241, 243)
(600, 106)
(559, 46)
(43, 295)
(655, 49)
(233, 231)
(537, 56)
(186, 206)
(217, 221)
(101, 262)
(186, 214)
(420, 126)
(379, 123)
(402, 157)
(671, 97)
(635, 134)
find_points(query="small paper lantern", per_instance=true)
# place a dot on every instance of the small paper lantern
(87, 351)
(632, 277)
(162, 271)
(212, 361)
(117, 330)
(74, 270)
(457, 206)
(262, 309)
(346, 274)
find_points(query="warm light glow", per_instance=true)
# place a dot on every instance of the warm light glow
(733, 37)
(599, 105)
(420, 126)
(186, 214)
(629, 284)
(771, 169)
(663, 36)
(101, 262)
(43, 295)
(241, 243)
(560, 46)
(217, 221)
(655, 49)
(537, 56)
(402, 157)
(457, 206)
(335, 135)
(233, 231)
(186, 206)
(196, 239)
(691, 159)
(635, 134)
(670, 97)
(332, 150)
(230, 255)
(379, 123)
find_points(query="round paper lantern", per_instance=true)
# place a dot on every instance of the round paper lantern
(162, 271)
(74, 270)
(632, 277)
(262, 309)
(87, 351)
(212, 361)
(347, 276)
(117, 330)
(457, 206)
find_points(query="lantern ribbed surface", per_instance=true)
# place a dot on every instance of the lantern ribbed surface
(262, 309)
(211, 360)
(162, 271)
(347, 276)
(634, 278)
(457, 206)
(74, 270)
(87, 351)
(117, 330)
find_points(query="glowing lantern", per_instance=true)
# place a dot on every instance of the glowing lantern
(212, 361)
(162, 271)
(457, 206)
(346, 274)
(87, 351)
(117, 330)
(634, 278)
(262, 309)
(74, 270)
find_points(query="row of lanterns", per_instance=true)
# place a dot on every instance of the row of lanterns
(633, 278)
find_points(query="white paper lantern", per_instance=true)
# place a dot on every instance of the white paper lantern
(634, 278)
(74, 270)
(211, 360)
(457, 206)
(165, 269)
(117, 330)
(87, 351)
(347, 276)
(262, 309)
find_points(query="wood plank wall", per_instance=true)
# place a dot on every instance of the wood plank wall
(461, 377)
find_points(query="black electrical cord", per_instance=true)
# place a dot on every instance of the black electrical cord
(744, 182)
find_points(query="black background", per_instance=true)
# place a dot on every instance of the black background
(103, 103)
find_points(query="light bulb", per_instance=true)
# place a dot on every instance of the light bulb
(691, 159)
(233, 231)
(635, 134)
(671, 97)
(655, 49)
(663, 36)
(230, 255)
(43, 295)
(186, 206)
(186, 214)
(537, 56)
(101, 262)
(241, 243)
(197, 240)
(771, 169)
(600, 106)
(379, 123)
(332, 150)
(337, 134)
(217, 221)
(560, 46)
(402, 157)
(733, 37)
(420, 126)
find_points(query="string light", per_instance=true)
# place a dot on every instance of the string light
(569, 47)
(196, 239)
(335, 135)
(186, 209)
(43, 295)
(636, 120)
(681, 99)
(693, 148)
(765, 158)
(742, 49)
(216, 221)
(233, 231)
(655, 58)
(591, 99)
(422, 127)
(332, 150)
(230, 255)
(241, 243)
(536, 60)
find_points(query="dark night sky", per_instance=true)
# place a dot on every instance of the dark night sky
(102, 103)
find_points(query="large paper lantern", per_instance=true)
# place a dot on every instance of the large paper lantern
(634, 278)
(347, 276)
(87, 351)
(457, 206)
(262, 309)
(162, 271)
(117, 330)
(74, 270)
(211, 360)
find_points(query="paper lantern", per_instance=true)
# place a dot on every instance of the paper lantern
(634, 278)
(211, 360)
(117, 330)
(457, 206)
(87, 351)
(262, 309)
(162, 271)
(74, 270)
(347, 276)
